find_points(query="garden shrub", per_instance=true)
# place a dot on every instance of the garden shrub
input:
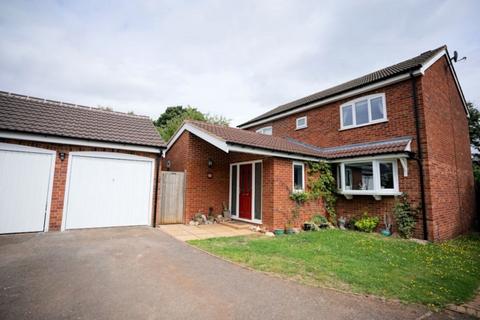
(405, 216)
(367, 223)
(319, 220)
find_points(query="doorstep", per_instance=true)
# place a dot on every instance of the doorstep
(184, 232)
(236, 224)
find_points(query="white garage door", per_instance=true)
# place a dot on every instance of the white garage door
(107, 190)
(25, 186)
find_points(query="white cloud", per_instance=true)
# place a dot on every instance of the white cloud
(235, 58)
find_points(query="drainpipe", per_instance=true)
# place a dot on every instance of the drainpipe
(419, 157)
(155, 194)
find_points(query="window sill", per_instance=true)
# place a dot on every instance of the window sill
(363, 125)
(300, 128)
(376, 194)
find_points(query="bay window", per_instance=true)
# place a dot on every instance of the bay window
(375, 177)
(363, 111)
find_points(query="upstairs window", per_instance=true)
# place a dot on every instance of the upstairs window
(363, 111)
(265, 130)
(301, 123)
(298, 177)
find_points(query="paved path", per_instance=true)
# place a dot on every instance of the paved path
(143, 273)
(185, 232)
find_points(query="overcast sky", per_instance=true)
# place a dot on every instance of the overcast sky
(233, 58)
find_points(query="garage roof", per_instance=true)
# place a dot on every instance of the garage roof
(25, 114)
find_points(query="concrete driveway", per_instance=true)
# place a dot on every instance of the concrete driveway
(142, 273)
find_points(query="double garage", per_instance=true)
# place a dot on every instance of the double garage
(102, 189)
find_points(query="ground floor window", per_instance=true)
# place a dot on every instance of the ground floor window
(298, 177)
(246, 191)
(370, 177)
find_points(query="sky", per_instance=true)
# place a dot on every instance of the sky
(237, 59)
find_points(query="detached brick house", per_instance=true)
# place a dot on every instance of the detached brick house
(399, 129)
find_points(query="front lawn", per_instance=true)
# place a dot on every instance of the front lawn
(433, 274)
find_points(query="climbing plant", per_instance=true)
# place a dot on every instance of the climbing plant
(322, 184)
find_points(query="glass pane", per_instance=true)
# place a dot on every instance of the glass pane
(233, 201)
(336, 168)
(298, 177)
(361, 112)
(268, 131)
(258, 191)
(301, 122)
(377, 108)
(347, 116)
(360, 176)
(386, 175)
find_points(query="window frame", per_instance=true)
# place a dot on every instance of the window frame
(377, 189)
(262, 130)
(297, 163)
(299, 127)
(352, 103)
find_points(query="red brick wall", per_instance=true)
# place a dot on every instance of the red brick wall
(451, 191)
(59, 179)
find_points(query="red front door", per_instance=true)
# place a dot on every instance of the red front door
(245, 196)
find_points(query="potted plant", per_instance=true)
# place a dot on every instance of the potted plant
(387, 222)
(289, 228)
(341, 222)
(226, 212)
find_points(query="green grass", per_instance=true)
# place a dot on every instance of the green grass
(432, 274)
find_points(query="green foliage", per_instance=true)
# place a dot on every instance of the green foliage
(476, 172)
(474, 126)
(367, 223)
(319, 220)
(169, 121)
(299, 197)
(433, 273)
(405, 216)
(322, 185)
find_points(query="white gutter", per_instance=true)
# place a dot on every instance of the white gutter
(77, 142)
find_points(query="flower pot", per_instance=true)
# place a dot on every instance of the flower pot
(289, 231)
(279, 232)
(386, 232)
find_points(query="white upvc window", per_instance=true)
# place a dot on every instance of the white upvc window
(301, 123)
(265, 130)
(298, 176)
(376, 177)
(363, 111)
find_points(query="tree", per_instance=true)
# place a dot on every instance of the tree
(169, 121)
(474, 126)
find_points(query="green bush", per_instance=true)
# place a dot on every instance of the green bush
(367, 223)
(319, 220)
(299, 197)
(405, 216)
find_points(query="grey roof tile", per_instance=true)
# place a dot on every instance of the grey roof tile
(34, 115)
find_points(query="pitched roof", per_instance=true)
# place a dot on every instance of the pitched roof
(403, 67)
(252, 139)
(235, 136)
(39, 116)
